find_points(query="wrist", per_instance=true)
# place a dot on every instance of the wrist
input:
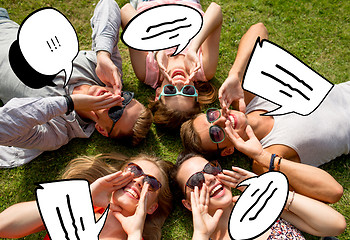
(200, 236)
(263, 158)
(137, 235)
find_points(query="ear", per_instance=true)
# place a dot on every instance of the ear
(227, 151)
(187, 204)
(158, 91)
(152, 208)
(101, 130)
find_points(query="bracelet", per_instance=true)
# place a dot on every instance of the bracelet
(70, 104)
(272, 162)
(290, 203)
(278, 164)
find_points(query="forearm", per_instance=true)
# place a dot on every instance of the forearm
(245, 48)
(312, 216)
(20, 220)
(305, 179)
(212, 21)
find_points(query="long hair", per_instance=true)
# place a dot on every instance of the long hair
(93, 167)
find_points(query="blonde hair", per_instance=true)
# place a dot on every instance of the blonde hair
(94, 167)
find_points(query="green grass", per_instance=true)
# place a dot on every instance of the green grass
(316, 31)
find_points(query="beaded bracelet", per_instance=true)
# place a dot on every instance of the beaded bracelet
(272, 162)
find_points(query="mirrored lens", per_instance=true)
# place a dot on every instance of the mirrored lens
(169, 89)
(115, 113)
(154, 185)
(216, 133)
(213, 168)
(189, 90)
(213, 114)
(135, 169)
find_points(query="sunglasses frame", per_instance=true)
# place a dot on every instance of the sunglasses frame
(178, 92)
(211, 163)
(146, 176)
(124, 104)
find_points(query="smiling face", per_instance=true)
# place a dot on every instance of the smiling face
(127, 198)
(201, 126)
(220, 195)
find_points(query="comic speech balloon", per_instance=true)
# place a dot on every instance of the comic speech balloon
(48, 43)
(66, 209)
(279, 77)
(259, 206)
(163, 27)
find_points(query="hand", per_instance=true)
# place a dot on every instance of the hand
(233, 178)
(85, 102)
(162, 59)
(204, 224)
(133, 225)
(252, 147)
(231, 91)
(192, 64)
(102, 188)
(108, 72)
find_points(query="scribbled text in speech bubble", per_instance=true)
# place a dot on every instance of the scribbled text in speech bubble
(49, 44)
(67, 212)
(259, 206)
(163, 27)
(276, 75)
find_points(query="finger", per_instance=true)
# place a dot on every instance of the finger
(241, 105)
(203, 194)
(143, 198)
(250, 132)
(196, 195)
(112, 176)
(217, 215)
(235, 198)
(231, 133)
(118, 215)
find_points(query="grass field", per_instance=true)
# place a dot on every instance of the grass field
(316, 31)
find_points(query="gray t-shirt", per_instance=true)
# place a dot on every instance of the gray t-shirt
(317, 138)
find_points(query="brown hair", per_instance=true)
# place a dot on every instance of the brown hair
(173, 118)
(142, 126)
(92, 168)
(190, 138)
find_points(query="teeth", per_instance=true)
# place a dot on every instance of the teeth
(133, 193)
(215, 189)
(232, 121)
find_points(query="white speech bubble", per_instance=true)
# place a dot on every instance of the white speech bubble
(279, 77)
(66, 210)
(48, 42)
(259, 206)
(163, 27)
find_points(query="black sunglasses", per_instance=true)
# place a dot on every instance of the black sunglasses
(116, 112)
(197, 179)
(154, 184)
(216, 133)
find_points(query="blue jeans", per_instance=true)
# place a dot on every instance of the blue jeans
(4, 14)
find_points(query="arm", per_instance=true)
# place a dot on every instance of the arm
(20, 220)
(138, 58)
(231, 90)
(105, 25)
(313, 217)
(307, 180)
(209, 38)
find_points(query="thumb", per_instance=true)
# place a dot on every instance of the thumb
(235, 198)
(217, 215)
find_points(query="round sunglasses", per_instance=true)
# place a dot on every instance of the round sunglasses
(216, 133)
(171, 90)
(116, 112)
(154, 184)
(197, 179)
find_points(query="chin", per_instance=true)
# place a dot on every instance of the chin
(120, 199)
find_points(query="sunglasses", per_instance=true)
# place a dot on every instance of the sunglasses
(154, 184)
(216, 133)
(197, 179)
(116, 112)
(171, 90)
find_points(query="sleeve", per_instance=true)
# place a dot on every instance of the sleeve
(105, 25)
(152, 71)
(28, 123)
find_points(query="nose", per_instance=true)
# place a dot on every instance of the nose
(179, 84)
(220, 121)
(209, 179)
(139, 181)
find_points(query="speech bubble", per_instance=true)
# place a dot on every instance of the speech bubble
(259, 206)
(48, 43)
(162, 27)
(279, 77)
(67, 212)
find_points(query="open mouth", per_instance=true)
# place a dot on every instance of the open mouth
(132, 193)
(178, 74)
(216, 191)
(233, 120)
